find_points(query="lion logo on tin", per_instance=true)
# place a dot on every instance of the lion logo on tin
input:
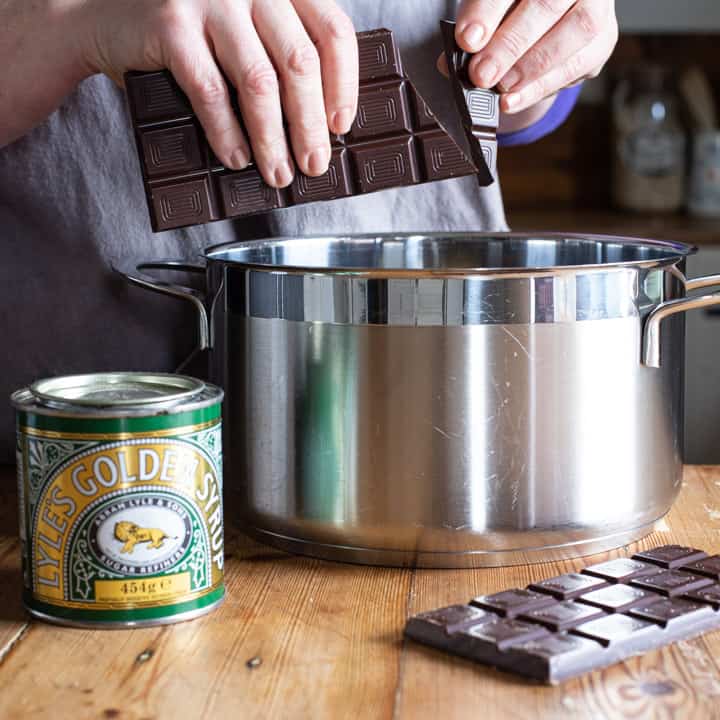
(132, 534)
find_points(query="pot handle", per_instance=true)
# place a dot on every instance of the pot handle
(134, 273)
(651, 333)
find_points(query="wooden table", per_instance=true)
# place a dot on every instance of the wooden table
(327, 643)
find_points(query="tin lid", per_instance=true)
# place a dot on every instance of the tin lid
(117, 389)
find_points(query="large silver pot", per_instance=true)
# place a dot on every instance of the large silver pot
(447, 400)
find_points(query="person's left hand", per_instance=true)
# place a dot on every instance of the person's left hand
(538, 47)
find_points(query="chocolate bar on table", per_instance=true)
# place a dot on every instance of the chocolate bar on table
(479, 108)
(395, 141)
(565, 626)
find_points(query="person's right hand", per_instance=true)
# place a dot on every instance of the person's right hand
(299, 56)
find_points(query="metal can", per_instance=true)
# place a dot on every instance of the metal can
(120, 491)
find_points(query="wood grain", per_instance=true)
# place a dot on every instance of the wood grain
(326, 640)
(13, 622)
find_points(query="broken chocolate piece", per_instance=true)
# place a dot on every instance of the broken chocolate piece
(395, 141)
(479, 109)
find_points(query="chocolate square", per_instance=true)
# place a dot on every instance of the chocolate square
(488, 148)
(245, 192)
(620, 570)
(709, 595)
(615, 629)
(483, 107)
(442, 157)
(181, 203)
(555, 657)
(382, 109)
(618, 598)
(671, 582)
(171, 150)
(510, 603)
(563, 615)
(156, 96)
(567, 587)
(670, 556)
(671, 611)
(709, 567)
(379, 56)
(503, 633)
(381, 165)
(454, 618)
(335, 183)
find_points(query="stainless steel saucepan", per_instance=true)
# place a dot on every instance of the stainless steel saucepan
(447, 400)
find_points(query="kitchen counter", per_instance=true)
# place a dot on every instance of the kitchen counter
(328, 643)
(658, 227)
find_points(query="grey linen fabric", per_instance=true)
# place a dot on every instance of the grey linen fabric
(71, 202)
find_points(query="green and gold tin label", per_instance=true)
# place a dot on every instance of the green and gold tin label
(121, 526)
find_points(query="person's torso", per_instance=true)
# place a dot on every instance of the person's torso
(71, 201)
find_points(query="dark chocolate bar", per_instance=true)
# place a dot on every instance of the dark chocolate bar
(395, 141)
(479, 108)
(565, 626)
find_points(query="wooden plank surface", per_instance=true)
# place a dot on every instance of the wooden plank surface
(327, 639)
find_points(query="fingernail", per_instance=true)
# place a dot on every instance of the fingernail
(485, 73)
(511, 80)
(318, 161)
(473, 36)
(512, 102)
(283, 174)
(342, 121)
(239, 159)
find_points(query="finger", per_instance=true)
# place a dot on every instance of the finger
(243, 57)
(298, 65)
(334, 36)
(442, 65)
(574, 32)
(582, 64)
(196, 72)
(516, 35)
(478, 20)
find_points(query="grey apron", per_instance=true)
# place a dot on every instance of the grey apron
(71, 201)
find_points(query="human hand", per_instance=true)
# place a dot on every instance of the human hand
(531, 49)
(299, 56)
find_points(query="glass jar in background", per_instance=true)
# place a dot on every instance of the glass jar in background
(650, 142)
(704, 198)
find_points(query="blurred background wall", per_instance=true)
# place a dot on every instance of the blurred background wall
(570, 181)
(668, 15)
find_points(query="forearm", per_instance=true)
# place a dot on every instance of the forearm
(41, 53)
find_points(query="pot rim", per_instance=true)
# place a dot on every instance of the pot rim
(677, 252)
